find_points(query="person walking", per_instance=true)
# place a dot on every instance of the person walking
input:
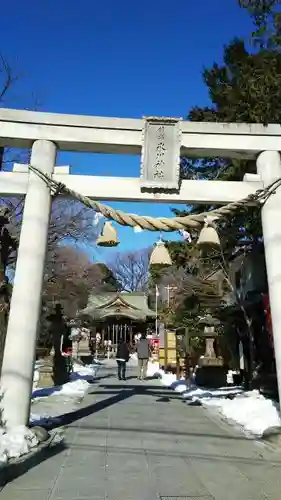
(122, 357)
(143, 352)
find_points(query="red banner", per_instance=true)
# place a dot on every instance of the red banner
(154, 343)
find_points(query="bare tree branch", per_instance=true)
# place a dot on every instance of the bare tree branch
(131, 270)
(69, 273)
(70, 277)
(71, 224)
(184, 285)
(7, 78)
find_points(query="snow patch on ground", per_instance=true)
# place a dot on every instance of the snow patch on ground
(57, 401)
(254, 413)
(16, 442)
(80, 382)
(133, 359)
(45, 420)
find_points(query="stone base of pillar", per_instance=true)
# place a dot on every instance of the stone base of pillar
(210, 361)
(211, 376)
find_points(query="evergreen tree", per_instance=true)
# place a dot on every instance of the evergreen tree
(245, 88)
(266, 15)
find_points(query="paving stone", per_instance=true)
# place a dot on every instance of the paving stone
(224, 481)
(267, 478)
(13, 494)
(45, 481)
(78, 459)
(131, 444)
(80, 489)
(90, 496)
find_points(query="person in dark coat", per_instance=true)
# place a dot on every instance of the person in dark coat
(122, 357)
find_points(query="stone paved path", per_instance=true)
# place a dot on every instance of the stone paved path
(134, 441)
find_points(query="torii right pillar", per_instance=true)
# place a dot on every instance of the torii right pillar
(269, 170)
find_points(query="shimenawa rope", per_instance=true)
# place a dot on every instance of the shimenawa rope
(161, 223)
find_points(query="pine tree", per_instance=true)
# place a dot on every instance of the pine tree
(245, 88)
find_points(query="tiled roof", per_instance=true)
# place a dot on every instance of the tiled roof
(109, 304)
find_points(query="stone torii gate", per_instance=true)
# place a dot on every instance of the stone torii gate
(159, 142)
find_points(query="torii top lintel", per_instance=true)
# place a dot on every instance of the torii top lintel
(20, 128)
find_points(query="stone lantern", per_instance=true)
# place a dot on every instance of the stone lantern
(210, 334)
(211, 370)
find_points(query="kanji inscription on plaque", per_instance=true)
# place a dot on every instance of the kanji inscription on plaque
(160, 161)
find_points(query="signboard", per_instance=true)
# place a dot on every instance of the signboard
(160, 160)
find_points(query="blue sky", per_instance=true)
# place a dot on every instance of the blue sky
(117, 58)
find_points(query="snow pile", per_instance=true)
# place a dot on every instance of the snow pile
(97, 362)
(195, 393)
(153, 369)
(74, 388)
(44, 420)
(36, 378)
(36, 375)
(179, 386)
(15, 442)
(253, 412)
(80, 382)
(84, 372)
(153, 365)
(134, 358)
(54, 402)
(250, 410)
(19, 440)
(168, 379)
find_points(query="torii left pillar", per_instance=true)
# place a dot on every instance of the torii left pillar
(24, 318)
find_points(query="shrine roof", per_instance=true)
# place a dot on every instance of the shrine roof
(122, 304)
